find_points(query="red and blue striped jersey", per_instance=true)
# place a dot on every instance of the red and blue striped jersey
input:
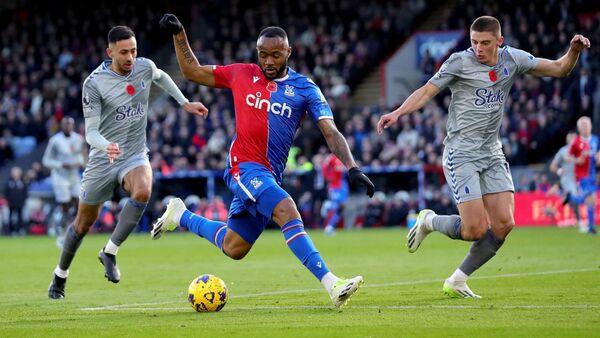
(268, 113)
(586, 148)
(333, 171)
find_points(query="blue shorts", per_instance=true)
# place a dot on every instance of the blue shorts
(339, 195)
(587, 186)
(256, 193)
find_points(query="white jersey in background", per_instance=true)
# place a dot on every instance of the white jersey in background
(61, 151)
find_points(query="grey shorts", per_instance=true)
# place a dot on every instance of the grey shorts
(470, 176)
(101, 177)
(568, 184)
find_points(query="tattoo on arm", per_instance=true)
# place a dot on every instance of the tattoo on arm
(338, 145)
(188, 56)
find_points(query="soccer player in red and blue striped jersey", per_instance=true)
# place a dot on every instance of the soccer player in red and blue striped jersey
(585, 149)
(270, 100)
(337, 190)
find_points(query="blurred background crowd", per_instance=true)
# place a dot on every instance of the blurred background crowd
(46, 52)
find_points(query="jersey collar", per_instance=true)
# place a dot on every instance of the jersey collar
(287, 76)
(500, 57)
(106, 66)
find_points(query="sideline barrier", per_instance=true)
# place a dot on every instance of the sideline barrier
(533, 209)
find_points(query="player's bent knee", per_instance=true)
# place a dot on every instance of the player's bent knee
(82, 227)
(238, 255)
(474, 233)
(285, 211)
(236, 252)
(235, 247)
(142, 194)
(504, 227)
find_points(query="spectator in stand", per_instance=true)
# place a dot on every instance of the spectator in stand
(6, 152)
(15, 192)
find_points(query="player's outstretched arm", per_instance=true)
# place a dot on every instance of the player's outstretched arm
(563, 66)
(164, 81)
(414, 102)
(189, 65)
(339, 147)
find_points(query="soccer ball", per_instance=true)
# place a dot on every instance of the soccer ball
(207, 293)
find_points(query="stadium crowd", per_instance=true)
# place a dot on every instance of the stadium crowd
(45, 57)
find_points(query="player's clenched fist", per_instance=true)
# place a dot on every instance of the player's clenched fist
(358, 178)
(196, 108)
(113, 151)
(170, 23)
(579, 42)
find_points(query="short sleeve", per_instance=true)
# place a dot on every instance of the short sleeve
(448, 72)
(91, 99)
(317, 106)
(225, 75)
(524, 61)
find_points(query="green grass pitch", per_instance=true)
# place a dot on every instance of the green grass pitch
(543, 282)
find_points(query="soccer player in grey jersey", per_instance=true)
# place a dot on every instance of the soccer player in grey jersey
(479, 79)
(563, 165)
(115, 106)
(64, 156)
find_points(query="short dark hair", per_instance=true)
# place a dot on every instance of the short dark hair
(486, 24)
(273, 32)
(119, 33)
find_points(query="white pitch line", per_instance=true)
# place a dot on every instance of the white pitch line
(382, 285)
(365, 307)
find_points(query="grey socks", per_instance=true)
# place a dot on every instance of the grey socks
(481, 251)
(448, 225)
(70, 246)
(128, 220)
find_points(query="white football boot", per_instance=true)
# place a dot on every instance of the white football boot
(343, 289)
(458, 290)
(167, 221)
(419, 231)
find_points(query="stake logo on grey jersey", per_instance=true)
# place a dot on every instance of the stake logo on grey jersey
(128, 112)
(488, 98)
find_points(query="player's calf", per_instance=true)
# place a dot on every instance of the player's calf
(215, 232)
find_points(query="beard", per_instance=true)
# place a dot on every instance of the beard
(279, 72)
(121, 68)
